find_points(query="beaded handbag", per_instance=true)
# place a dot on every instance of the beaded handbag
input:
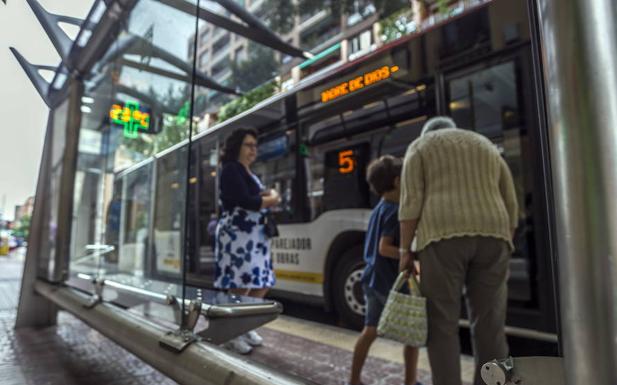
(404, 317)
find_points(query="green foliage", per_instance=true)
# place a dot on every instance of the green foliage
(280, 13)
(22, 228)
(396, 25)
(175, 130)
(260, 66)
(442, 6)
(247, 100)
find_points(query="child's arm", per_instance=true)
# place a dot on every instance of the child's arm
(387, 247)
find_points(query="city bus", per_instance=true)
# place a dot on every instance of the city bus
(315, 142)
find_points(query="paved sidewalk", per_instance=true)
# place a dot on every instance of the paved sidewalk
(72, 353)
(323, 353)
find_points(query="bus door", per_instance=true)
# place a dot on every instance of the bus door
(495, 99)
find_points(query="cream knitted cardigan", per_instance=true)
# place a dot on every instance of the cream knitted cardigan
(456, 183)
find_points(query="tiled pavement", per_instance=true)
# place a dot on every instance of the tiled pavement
(72, 353)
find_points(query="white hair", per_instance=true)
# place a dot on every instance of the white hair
(437, 123)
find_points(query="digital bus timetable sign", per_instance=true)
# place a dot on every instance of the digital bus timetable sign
(358, 83)
(132, 117)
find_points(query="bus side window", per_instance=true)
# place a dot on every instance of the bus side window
(336, 177)
(279, 174)
(396, 140)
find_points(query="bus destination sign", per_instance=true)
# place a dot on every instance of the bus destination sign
(357, 83)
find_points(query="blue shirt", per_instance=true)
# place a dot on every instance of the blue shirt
(381, 272)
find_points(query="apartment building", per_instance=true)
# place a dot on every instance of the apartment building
(316, 32)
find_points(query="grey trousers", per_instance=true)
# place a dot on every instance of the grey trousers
(476, 267)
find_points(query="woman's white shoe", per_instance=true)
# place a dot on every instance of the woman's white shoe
(239, 345)
(253, 339)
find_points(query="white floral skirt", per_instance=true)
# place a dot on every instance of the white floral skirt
(242, 251)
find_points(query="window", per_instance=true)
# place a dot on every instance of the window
(336, 178)
(305, 16)
(221, 67)
(325, 30)
(203, 59)
(360, 44)
(487, 101)
(204, 35)
(469, 32)
(221, 43)
(362, 10)
(240, 55)
(276, 169)
(380, 126)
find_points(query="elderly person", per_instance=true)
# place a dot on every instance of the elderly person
(458, 201)
(242, 248)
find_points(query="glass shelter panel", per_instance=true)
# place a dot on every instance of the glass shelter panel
(168, 209)
(203, 211)
(131, 185)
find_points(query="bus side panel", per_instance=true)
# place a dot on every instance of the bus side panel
(299, 254)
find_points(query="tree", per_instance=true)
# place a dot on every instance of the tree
(22, 228)
(260, 67)
(248, 100)
(281, 13)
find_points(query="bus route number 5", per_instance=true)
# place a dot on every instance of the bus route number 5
(346, 162)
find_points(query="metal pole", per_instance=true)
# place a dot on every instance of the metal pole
(34, 310)
(579, 59)
(67, 182)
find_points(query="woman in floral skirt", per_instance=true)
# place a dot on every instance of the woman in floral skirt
(242, 249)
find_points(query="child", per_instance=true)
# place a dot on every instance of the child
(381, 256)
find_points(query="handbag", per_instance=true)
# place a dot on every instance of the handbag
(404, 317)
(270, 227)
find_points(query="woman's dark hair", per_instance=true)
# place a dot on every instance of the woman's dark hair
(382, 172)
(233, 143)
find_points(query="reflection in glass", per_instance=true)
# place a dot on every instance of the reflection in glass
(136, 105)
(203, 210)
(487, 101)
(168, 210)
(135, 220)
(52, 192)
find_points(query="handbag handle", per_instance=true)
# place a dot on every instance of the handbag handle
(414, 287)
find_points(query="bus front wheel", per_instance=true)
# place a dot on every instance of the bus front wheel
(348, 293)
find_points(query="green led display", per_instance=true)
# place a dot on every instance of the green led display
(130, 117)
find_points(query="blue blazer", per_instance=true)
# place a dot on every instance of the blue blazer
(238, 188)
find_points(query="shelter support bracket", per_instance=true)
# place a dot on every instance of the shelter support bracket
(524, 371)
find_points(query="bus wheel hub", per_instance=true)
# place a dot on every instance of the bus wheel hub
(354, 294)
